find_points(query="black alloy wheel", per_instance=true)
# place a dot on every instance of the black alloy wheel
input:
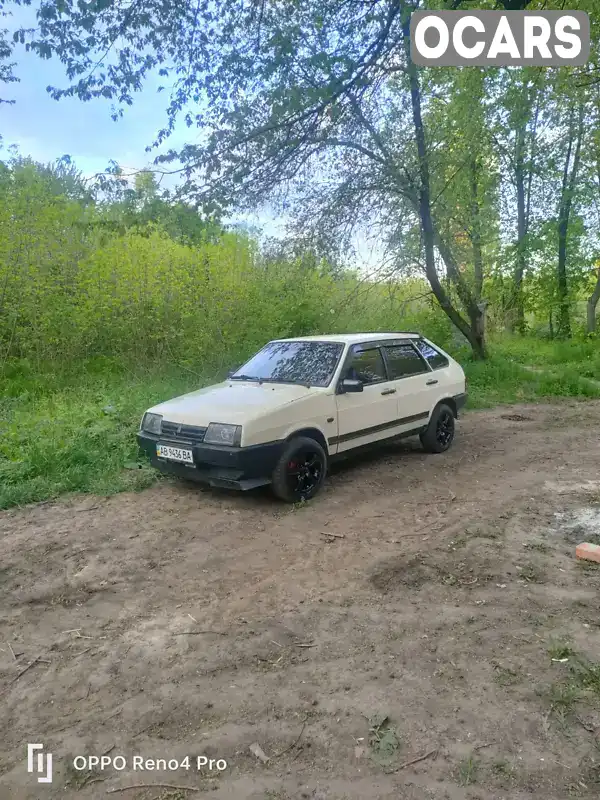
(444, 429)
(304, 473)
(439, 434)
(301, 470)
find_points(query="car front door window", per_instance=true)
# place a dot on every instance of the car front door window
(367, 366)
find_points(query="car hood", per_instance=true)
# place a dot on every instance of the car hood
(229, 402)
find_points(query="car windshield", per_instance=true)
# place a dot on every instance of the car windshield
(308, 363)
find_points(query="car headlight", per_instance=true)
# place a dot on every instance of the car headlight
(152, 423)
(219, 433)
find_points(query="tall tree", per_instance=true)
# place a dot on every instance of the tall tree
(568, 185)
(517, 98)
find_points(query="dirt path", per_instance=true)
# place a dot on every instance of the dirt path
(179, 622)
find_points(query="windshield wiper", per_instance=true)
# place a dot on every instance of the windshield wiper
(244, 378)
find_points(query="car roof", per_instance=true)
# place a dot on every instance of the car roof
(353, 338)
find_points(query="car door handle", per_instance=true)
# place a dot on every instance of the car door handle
(431, 383)
(389, 391)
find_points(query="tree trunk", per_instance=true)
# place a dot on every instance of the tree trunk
(524, 162)
(564, 212)
(591, 305)
(518, 319)
(474, 331)
(476, 231)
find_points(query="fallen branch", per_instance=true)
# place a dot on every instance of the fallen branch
(334, 535)
(196, 633)
(584, 725)
(23, 671)
(153, 786)
(293, 744)
(412, 761)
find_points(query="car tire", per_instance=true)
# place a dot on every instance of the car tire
(440, 432)
(300, 471)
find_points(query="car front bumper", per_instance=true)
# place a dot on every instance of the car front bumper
(226, 467)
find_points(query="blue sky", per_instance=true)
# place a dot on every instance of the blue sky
(47, 129)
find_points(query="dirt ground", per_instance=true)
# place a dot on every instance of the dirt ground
(413, 609)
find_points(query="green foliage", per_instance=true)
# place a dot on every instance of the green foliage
(522, 370)
(71, 289)
(584, 354)
(80, 438)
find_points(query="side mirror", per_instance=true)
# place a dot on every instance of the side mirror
(351, 385)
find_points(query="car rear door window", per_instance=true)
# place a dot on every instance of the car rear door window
(367, 366)
(434, 358)
(403, 361)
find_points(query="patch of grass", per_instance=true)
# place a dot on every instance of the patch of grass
(588, 566)
(383, 740)
(468, 770)
(563, 696)
(581, 685)
(502, 767)
(558, 650)
(539, 547)
(178, 794)
(504, 379)
(532, 573)
(79, 438)
(587, 674)
(585, 354)
(504, 676)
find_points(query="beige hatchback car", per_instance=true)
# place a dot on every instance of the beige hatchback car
(298, 403)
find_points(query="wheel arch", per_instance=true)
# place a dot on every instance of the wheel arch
(447, 401)
(310, 433)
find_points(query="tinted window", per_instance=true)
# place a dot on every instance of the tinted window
(403, 360)
(367, 366)
(433, 356)
(311, 363)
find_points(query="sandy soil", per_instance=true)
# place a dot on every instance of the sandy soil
(182, 622)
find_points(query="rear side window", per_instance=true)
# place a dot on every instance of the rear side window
(404, 361)
(367, 366)
(434, 358)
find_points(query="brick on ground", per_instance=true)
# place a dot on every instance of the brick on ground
(590, 552)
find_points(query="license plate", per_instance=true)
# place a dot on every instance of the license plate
(174, 453)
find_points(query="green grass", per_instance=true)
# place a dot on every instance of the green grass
(80, 438)
(579, 683)
(583, 354)
(559, 650)
(468, 770)
(74, 431)
(561, 371)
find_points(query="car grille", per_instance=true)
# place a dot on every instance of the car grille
(188, 434)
